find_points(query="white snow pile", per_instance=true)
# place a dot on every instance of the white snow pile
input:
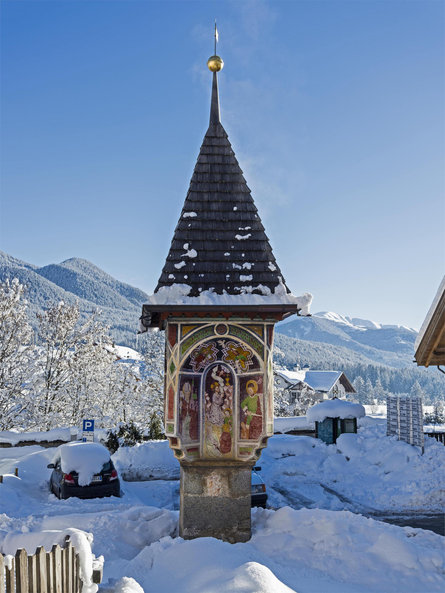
(320, 548)
(152, 460)
(366, 472)
(334, 408)
(310, 551)
(56, 434)
(189, 215)
(30, 541)
(177, 294)
(86, 459)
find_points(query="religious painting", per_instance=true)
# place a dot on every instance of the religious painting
(237, 355)
(188, 409)
(218, 418)
(251, 407)
(203, 355)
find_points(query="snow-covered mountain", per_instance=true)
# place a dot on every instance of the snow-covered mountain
(386, 344)
(79, 280)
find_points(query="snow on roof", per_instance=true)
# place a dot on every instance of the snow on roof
(284, 424)
(86, 459)
(334, 408)
(177, 294)
(429, 316)
(122, 352)
(322, 381)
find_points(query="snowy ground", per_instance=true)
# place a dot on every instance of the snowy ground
(319, 545)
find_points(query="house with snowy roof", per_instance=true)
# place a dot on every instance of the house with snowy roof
(430, 343)
(313, 386)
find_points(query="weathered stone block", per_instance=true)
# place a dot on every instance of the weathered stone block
(215, 501)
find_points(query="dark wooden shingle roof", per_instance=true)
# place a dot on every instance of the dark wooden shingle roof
(219, 242)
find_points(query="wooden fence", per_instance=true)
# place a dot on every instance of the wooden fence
(439, 436)
(57, 571)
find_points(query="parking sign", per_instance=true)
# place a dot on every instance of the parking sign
(87, 430)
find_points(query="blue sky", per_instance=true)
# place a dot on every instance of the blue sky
(335, 110)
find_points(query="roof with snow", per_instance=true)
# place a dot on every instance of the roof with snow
(321, 381)
(430, 343)
(334, 408)
(219, 243)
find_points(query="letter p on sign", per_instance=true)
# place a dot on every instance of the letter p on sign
(88, 426)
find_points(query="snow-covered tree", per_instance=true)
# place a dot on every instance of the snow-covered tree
(153, 374)
(359, 386)
(368, 393)
(379, 392)
(416, 390)
(17, 354)
(75, 363)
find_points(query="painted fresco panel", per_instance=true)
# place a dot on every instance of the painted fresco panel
(188, 409)
(172, 334)
(247, 337)
(170, 403)
(251, 407)
(218, 417)
(240, 357)
(196, 337)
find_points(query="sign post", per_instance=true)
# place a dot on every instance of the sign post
(87, 431)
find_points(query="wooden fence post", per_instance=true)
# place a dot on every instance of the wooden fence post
(78, 581)
(2, 572)
(57, 568)
(41, 576)
(50, 572)
(21, 571)
(69, 567)
(10, 580)
(32, 573)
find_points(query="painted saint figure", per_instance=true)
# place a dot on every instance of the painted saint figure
(188, 412)
(252, 425)
(218, 411)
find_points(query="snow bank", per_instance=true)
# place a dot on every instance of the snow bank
(366, 472)
(86, 459)
(334, 408)
(296, 551)
(152, 460)
(30, 541)
(56, 434)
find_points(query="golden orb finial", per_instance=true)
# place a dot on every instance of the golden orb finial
(215, 63)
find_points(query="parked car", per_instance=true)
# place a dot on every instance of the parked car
(258, 489)
(84, 470)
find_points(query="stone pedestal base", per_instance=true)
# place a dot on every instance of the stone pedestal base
(215, 500)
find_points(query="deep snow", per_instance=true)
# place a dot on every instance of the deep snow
(316, 549)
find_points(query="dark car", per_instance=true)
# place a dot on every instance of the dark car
(65, 482)
(258, 489)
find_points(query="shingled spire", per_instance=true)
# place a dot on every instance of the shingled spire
(219, 243)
